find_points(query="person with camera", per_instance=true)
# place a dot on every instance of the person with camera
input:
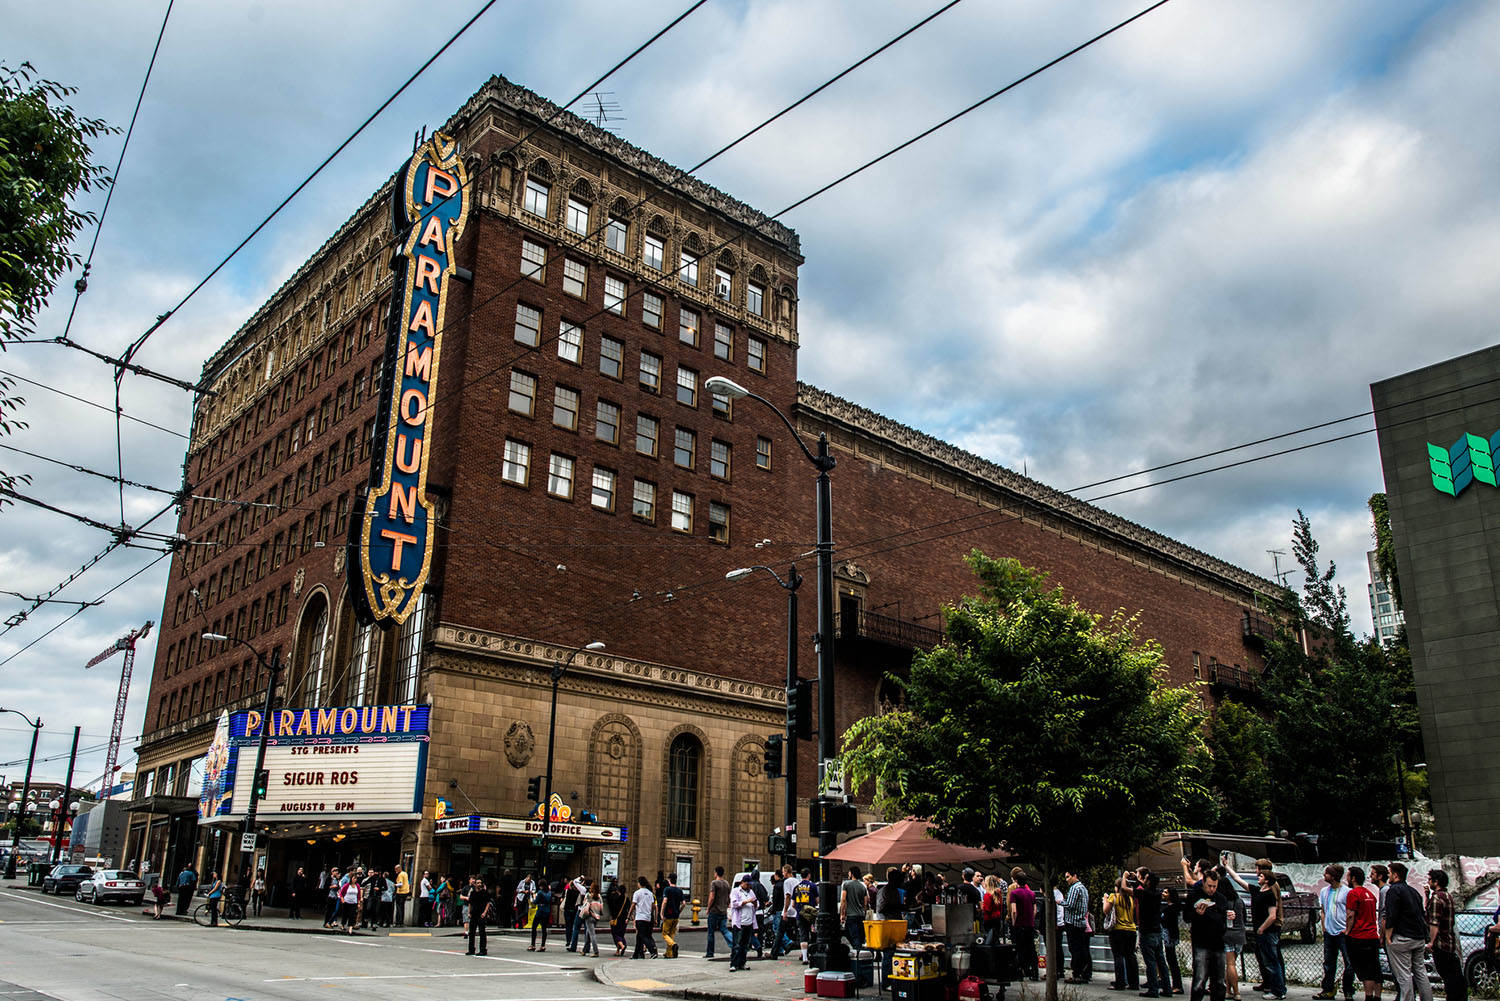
(1119, 922)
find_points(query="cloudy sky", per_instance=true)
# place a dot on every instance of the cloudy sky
(1219, 224)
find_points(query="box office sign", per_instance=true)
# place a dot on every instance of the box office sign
(390, 535)
(333, 763)
(476, 824)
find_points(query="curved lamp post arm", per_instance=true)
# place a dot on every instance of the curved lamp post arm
(728, 387)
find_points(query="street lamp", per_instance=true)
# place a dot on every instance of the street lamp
(274, 669)
(828, 951)
(15, 837)
(790, 584)
(557, 673)
(56, 807)
(1411, 845)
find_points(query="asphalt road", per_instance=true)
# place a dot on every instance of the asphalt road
(56, 948)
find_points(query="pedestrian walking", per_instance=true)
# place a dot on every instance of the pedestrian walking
(590, 914)
(424, 900)
(618, 905)
(215, 898)
(481, 910)
(1332, 899)
(742, 903)
(351, 895)
(778, 904)
(1443, 938)
(1147, 895)
(541, 917)
(1119, 922)
(1077, 925)
(718, 912)
(1208, 907)
(575, 926)
(1021, 910)
(1171, 931)
(525, 892)
(258, 891)
(643, 905)
(672, 899)
(331, 905)
(805, 896)
(1406, 936)
(572, 897)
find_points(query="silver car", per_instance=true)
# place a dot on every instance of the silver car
(111, 884)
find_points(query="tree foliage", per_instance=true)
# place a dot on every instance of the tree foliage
(1385, 546)
(1241, 742)
(1038, 726)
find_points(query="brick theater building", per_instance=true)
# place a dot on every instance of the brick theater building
(585, 488)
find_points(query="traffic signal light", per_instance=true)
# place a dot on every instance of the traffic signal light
(841, 816)
(773, 756)
(262, 783)
(534, 788)
(799, 712)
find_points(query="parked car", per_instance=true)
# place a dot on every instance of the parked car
(65, 878)
(112, 884)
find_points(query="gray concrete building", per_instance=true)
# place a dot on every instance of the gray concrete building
(1439, 430)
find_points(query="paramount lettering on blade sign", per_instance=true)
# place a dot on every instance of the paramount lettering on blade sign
(391, 534)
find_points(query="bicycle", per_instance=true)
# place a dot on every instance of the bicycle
(231, 912)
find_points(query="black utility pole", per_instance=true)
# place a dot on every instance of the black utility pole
(273, 670)
(62, 806)
(15, 837)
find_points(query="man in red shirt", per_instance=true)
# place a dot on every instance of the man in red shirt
(1362, 934)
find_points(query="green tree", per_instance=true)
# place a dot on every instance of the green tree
(1337, 708)
(1038, 726)
(1385, 546)
(44, 165)
(1240, 740)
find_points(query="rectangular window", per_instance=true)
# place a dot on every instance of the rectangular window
(569, 342)
(755, 299)
(723, 406)
(614, 235)
(607, 422)
(723, 284)
(718, 459)
(523, 393)
(645, 434)
(614, 295)
(533, 260)
(684, 448)
(755, 354)
(687, 386)
(560, 477)
(651, 310)
(578, 217)
(682, 512)
(535, 201)
(611, 357)
(688, 327)
(565, 407)
(643, 503)
(603, 496)
(575, 277)
(763, 453)
(517, 466)
(718, 522)
(688, 271)
(528, 325)
(650, 372)
(723, 342)
(655, 252)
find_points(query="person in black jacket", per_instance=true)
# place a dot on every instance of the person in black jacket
(1209, 910)
(1406, 934)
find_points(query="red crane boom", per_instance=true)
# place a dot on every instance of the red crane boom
(127, 644)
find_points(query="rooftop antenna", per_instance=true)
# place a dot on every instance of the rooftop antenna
(1277, 572)
(606, 110)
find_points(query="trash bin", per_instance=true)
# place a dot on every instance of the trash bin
(36, 872)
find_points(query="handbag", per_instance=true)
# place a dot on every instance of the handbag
(1111, 918)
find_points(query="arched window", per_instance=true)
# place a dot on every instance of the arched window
(312, 654)
(684, 764)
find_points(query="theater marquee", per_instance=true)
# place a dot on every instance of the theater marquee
(390, 539)
(336, 763)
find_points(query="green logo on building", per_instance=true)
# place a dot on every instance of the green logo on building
(1466, 460)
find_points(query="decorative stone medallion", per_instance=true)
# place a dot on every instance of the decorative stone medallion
(519, 744)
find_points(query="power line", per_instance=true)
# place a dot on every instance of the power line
(91, 472)
(72, 615)
(141, 340)
(81, 286)
(97, 406)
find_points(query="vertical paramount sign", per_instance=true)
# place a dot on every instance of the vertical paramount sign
(391, 533)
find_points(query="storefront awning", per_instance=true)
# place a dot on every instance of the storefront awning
(532, 827)
(168, 805)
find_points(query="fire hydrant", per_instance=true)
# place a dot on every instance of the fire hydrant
(696, 907)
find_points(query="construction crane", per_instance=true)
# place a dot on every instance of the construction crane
(127, 644)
